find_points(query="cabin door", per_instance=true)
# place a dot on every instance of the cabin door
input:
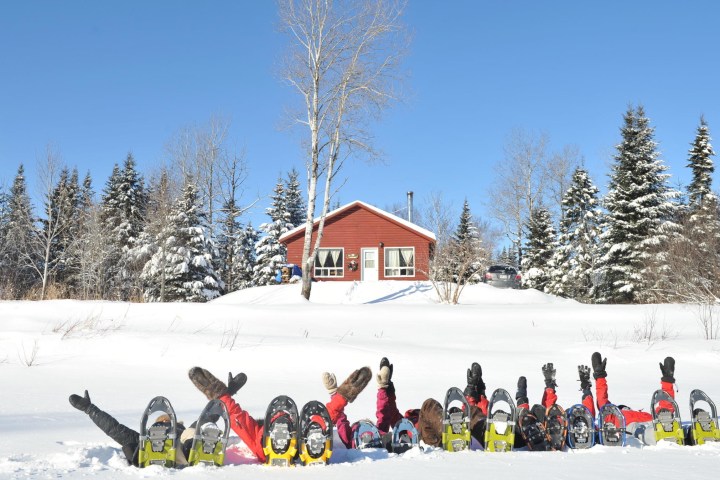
(369, 264)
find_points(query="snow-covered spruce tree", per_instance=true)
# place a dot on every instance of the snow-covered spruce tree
(244, 265)
(575, 259)
(181, 270)
(18, 256)
(540, 243)
(469, 257)
(123, 208)
(639, 218)
(65, 206)
(703, 203)
(297, 210)
(270, 252)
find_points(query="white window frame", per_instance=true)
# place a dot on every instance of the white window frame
(330, 272)
(398, 271)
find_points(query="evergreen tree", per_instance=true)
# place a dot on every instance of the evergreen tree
(296, 207)
(639, 217)
(270, 252)
(244, 264)
(64, 216)
(702, 217)
(182, 267)
(229, 236)
(575, 259)
(123, 218)
(468, 256)
(538, 250)
(18, 255)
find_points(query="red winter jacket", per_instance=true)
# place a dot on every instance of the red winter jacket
(245, 426)
(631, 416)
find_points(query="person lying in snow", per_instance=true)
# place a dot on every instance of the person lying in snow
(636, 421)
(128, 438)
(242, 423)
(386, 414)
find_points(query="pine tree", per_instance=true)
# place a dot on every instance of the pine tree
(18, 255)
(123, 218)
(64, 212)
(575, 259)
(539, 247)
(297, 210)
(468, 257)
(702, 216)
(270, 252)
(229, 236)
(182, 267)
(244, 265)
(639, 217)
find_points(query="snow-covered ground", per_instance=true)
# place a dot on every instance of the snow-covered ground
(125, 354)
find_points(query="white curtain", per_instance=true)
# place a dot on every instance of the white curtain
(322, 256)
(392, 257)
(335, 256)
(407, 254)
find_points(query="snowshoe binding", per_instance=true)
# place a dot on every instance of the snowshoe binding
(158, 443)
(500, 424)
(611, 425)
(279, 438)
(366, 435)
(581, 427)
(456, 421)
(404, 436)
(210, 441)
(316, 434)
(532, 428)
(704, 426)
(556, 426)
(666, 418)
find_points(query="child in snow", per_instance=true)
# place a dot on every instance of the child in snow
(247, 428)
(128, 438)
(386, 414)
(636, 422)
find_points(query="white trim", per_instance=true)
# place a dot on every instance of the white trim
(398, 268)
(380, 212)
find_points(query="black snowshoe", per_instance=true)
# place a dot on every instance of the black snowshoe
(611, 426)
(316, 434)
(556, 426)
(532, 428)
(704, 426)
(280, 434)
(159, 442)
(210, 441)
(581, 427)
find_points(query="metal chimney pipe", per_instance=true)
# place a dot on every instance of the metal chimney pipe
(410, 206)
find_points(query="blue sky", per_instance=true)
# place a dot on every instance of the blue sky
(98, 79)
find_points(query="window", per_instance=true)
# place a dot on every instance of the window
(400, 262)
(329, 262)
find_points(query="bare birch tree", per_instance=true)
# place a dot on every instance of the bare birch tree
(342, 60)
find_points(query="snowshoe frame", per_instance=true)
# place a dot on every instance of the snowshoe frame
(500, 425)
(158, 444)
(209, 447)
(456, 434)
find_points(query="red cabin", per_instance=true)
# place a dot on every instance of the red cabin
(362, 242)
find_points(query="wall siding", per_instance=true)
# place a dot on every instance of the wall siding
(357, 228)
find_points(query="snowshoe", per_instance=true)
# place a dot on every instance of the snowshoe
(500, 424)
(556, 426)
(666, 421)
(279, 437)
(316, 434)
(704, 426)
(581, 427)
(210, 441)
(158, 443)
(366, 435)
(456, 422)
(404, 436)
(532, 431)
(611, 425)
